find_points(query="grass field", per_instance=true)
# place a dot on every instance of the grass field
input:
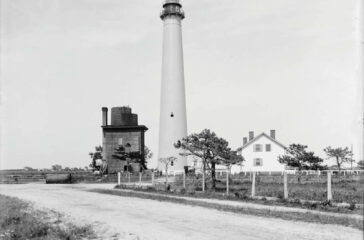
(345, 188)
(19, 221)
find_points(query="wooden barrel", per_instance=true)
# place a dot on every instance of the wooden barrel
(58, 178)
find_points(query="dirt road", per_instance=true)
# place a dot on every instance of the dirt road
(115, 217)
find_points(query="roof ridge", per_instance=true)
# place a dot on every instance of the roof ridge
(259, 136)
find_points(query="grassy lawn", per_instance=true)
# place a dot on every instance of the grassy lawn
(345, 188)
(19, 221)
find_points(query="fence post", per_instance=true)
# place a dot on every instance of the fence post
(227, 183)
(128, 177)
(203, 181)
(184, 180)
(285, 185)
(119, 178)
(253, 185)
(152, 178)
(329, 193)
(140, 178)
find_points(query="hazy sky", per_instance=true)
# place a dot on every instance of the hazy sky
(289, 65)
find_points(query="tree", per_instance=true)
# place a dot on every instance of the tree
(360, 164)
(56, 167)
(341, 155)
(123, 153)
(148, 154)
(29, 169)
(211, 149)
(296, 156)
(95, 156)
(168, 161)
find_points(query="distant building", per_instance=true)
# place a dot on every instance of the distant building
(123, 130)
(260, 153)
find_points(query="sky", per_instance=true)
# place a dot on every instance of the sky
(290, 65)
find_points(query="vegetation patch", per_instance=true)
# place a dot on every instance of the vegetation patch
(19, 221)
(242, 195)
(296, 216)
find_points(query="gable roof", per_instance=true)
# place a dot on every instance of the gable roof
(258, 137)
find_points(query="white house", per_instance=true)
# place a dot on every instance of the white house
(260, 153)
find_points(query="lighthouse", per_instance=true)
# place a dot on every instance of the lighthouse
(172, 120)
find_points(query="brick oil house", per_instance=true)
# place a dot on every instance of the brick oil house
(123, 130)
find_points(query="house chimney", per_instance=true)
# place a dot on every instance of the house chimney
(251, 135)
(245, 140)
(104, 116)
(273, 134)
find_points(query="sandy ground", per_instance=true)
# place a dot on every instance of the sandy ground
(115, 217)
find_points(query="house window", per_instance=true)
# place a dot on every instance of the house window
(258, 162)
(258, 147)
(268, 147)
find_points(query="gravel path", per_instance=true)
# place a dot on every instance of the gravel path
(115, 217)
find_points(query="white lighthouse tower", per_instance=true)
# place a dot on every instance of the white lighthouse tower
(172, 121)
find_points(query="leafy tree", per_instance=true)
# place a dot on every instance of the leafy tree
(360, 164)
(95, 156)
(341, 155)
(56, 167)
(148, 154)
(29, 169)
(296, 156)
(122, 153)
(211, 149)
(168, 161)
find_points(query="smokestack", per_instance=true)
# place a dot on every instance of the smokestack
(245, 141)
(273, 134)
(104, 116)
(251, 135)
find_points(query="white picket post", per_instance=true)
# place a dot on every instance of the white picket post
(227, 183)
(152, 178)
(203, 181)
(285, 185)
(184, 180)
(253, 185)
(119, 178)
(140, 178)
(329, 192)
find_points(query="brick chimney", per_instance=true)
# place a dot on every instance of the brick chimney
(273, 134)
(245, 140)
(104, 116)
(251, 135)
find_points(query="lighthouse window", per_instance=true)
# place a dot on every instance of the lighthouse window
(172, 115)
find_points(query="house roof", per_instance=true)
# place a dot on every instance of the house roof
(258, 137)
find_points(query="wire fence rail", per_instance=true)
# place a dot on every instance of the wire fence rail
(329, 185)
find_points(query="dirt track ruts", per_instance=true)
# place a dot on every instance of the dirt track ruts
(135, 218)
